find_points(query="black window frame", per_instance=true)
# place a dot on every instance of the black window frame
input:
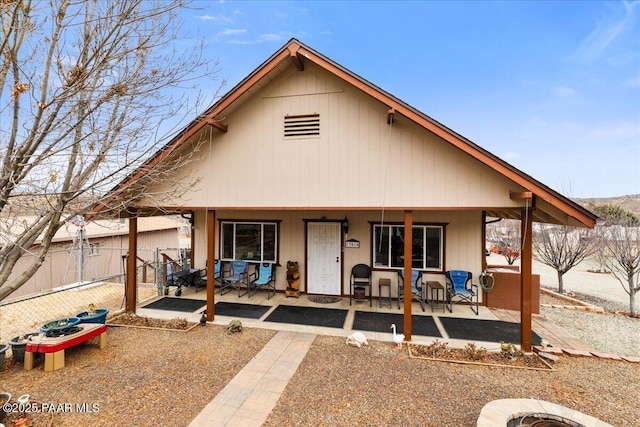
(235, 224)
(422, 260)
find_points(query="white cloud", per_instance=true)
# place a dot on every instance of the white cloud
(564, 91)
(618, 131)
(241, 42)
(206, 18)
(270, 37)
(232, 32)
(511, 155)
(213, 18)
(633, 81)
(606, 31)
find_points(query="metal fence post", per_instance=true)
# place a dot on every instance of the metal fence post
(158, 267)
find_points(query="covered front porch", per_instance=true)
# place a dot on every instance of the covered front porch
(328, 244)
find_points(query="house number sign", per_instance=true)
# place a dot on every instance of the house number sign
(352, 243)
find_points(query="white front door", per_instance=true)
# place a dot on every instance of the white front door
(323, 258)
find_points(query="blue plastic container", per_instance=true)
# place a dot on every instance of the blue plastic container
(60, 324)
(99, 315)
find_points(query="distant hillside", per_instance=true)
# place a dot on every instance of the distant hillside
(630, 202)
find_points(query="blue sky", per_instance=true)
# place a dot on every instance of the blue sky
(551, 87)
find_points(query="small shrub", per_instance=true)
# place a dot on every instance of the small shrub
(475, 353)
(437, 349)
(510, 351)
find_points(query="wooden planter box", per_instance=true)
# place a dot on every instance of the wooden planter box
(506, 290)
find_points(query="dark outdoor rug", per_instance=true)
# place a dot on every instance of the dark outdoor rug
(381, 322)
(234, 309)
(324, 299)
(484, 330)
(313, 316)
(177, 304)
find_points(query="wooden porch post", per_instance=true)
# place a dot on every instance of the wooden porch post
(408, 255)
(484, 247)
(130, 291)
(211, 259)
(192, 229)
(525, 279)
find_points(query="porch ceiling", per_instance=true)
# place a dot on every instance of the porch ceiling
(542, 213)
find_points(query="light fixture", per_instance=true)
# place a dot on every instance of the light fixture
(345, 225)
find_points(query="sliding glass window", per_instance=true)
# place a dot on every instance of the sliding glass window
(427, 242)
(249, 241)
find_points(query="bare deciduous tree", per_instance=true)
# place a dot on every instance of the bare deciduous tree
(505, 236)
(610, 215)
(562, 247)
(621, 248)
(84, 86)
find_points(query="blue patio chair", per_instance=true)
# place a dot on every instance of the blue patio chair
(239, 276)
(217, 275)
(264, 278)
(416, 287)
(459, 285)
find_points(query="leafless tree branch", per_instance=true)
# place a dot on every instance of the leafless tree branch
(505, 238)
(562, 247)
(620, 254)
(84, 87)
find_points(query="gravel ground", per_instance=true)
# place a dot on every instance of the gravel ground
(377, 385)
(143, 377)
(606, 332)
(152, 377)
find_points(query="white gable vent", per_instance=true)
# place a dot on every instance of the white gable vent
(302, 126)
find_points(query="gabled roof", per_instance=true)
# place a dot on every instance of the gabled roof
(550, 206)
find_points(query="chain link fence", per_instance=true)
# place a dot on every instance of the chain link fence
(27, 313)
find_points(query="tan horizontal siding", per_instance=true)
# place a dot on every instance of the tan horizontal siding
(355, 158)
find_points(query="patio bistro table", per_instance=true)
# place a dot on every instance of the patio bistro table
(433, 286)
(384, 301)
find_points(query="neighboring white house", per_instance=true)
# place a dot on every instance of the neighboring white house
(103, 245)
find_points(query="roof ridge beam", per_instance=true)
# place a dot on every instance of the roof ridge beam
(294, 54)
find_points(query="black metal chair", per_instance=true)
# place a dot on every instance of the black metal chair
(416, 287)
(360, 278)
(459, 285)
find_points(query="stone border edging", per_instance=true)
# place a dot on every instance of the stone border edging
(576, 304)
(498, 365)
(583, 353)
(121, 325)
